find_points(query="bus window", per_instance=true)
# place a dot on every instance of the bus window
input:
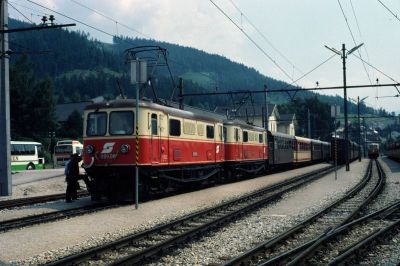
(96, 124)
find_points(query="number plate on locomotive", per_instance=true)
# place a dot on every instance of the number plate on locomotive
(108, 156)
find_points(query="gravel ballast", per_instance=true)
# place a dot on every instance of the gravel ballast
(65, 237)
(246, 233)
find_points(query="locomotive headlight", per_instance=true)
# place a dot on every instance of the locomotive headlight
(124, 148)
(89, 149)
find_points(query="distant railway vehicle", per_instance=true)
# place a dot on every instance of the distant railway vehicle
(64, 149)
(180, 148)
(26, 155)
(338, 150)
(393, 150)
(373, 150)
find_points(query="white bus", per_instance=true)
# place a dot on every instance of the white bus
(26, 155)
(64, 149)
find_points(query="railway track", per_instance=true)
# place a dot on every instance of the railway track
(138, 248)
(53, 216)
(381, 226)
(7, 204)
(296, 244)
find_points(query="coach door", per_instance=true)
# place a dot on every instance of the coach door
(155, 140)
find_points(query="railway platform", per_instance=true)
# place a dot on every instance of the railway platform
(61, 238)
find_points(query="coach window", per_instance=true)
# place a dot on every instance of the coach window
(260, 138)
(154, 130)
(245, 136)
(121, 123)
(96, 124)
(210, 132)
(174, 127)
(221, 136)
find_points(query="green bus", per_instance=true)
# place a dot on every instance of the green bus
(26, 155)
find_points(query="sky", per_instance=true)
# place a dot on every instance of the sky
(287, 36)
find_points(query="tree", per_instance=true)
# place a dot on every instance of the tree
(31, 102)
(73, 127)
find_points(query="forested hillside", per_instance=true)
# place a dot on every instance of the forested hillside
(77, 68)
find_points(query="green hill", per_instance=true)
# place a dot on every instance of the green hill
(82, 68)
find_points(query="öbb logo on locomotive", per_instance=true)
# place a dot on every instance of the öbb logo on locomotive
(108, 147)
(106, 153)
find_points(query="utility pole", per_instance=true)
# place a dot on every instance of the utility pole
(266, 122)
(346, 130)
(5, 163)
(359, 129)
(309, 123)
(344, 55)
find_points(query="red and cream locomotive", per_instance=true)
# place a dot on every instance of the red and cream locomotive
(174, 147)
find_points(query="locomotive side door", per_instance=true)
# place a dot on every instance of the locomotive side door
(155, 139)
(238, 146)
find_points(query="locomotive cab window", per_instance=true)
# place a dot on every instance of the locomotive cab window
(96, 124)
(210, 132)
(174, 127)
(154, 129)
(121, 123)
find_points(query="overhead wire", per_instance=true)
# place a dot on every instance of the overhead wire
(388, 9)
(354, 40)
(389, 77)
(252, 40)
(16, 9)
(110, 18)
(29, 8)
(263, 36)
(359, 29)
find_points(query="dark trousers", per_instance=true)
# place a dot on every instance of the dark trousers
(72, 190)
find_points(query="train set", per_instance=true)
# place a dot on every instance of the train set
(175, 147)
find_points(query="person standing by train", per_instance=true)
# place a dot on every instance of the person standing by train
(71, 177)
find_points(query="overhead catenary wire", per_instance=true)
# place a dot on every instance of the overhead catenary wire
(380, 71)
(388, 9)
(264, 37)
(252, 40)
(37, 12)
(112, 19)
(22, 14)
(92, 27)
(359, 29)
(354, 40)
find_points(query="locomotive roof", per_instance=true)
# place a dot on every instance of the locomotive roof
(124, 103)
(242, 124)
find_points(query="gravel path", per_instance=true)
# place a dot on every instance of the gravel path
(267, 222)
(64, 237)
